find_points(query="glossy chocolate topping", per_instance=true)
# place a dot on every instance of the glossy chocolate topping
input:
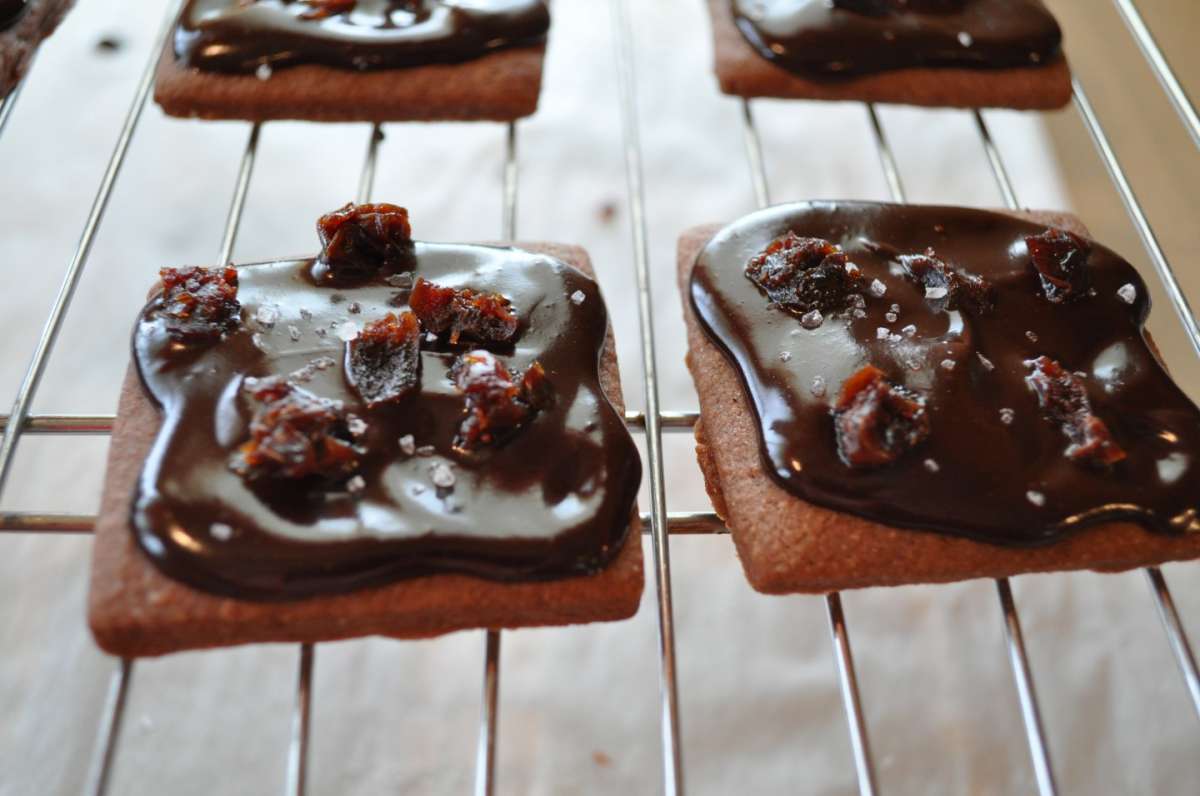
(980, 455)
(552, 499)
(11, 11)
(241, 37)
(848, 37)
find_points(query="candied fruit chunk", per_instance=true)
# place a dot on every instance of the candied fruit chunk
(199, 303)
(383, 362)
(295, 434)
(482, 317)
(359, 242)
(956, 288)
(804, 274)
(876, 421)
(497, 403)
(320, 9)
(1064, 400)
(1061, 259)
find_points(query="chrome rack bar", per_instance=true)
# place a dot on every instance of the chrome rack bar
(58, 311)
(1161, 68)
(670, 421)
(673, 782)
(847, 679)
(485, 756)
(110, 729)
(685, 523)
(1175, 632)
(1174, 627)
(297, 765)
(1137, 215)
(1013, 637)
(8, 103)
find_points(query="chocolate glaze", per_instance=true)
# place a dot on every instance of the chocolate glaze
(239, 37)
(986, 476)
(814, 37)
(11, 11)
(554, 501)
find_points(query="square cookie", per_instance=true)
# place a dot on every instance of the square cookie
(742, 72)
(501, 86)
(19, 42)
(135, 610)
(788, 545)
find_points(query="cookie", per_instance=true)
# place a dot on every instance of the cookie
(789, 545)
(433, 71)
(135, 610)
(21, 34)
(743, 72)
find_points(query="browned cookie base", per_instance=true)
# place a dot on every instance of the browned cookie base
(788, 545)
(135, 610)
(18, 43)
(501, 86)
(742, 72)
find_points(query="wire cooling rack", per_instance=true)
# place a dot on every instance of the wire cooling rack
(653, 422)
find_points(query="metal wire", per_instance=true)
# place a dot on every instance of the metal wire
(110, 729)
(58, 312)
(847, 679)
(1174, 292)
(297, 765)
(8, 103)
(1174, 627)
(626, 78)
(1161, 68)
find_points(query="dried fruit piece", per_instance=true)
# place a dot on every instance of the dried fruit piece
(876, 421)
(1060, 258)
(295, 434)
(359, 242)
(804, 274)
(498, 405)
(1064, 400)
(320, 9)
(383, 362)
(199, 303)
(956, 288)
(482, 317)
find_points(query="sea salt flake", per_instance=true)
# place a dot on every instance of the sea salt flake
(891, 317)
(578, 297)
(430, 337)
(1035, 497)
(221, 531)
(812, 319)
(442, 476)
(858, 313)
(987, 363)
(785, 356)
(356, 485)
(932, 466)
(947, 364)
(356, 425)
(935, 292)
(965, 39)
(305, 315)
(294, 333)
(877, 288)
(1007, 416)
(400, 280)
(267, 315)
(347, 331)
(354, 308)
(1033, 338)
(408, 445)
(852, 269)
(909, 331)
(818, 386)
(881, 333)
(323, 363)
(856, 300)
(1127, 293)
(263, 72)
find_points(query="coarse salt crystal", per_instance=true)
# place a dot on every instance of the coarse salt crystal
(987, 363)
(442, 476)
(425, 450)
(1035, 497)
(221, 531)
(263, 72)
(305, 314)
(877, 289)
(267, 315)
(909, 331)
(347, 331)
(891, 317)
(1127, 293)
(408, 445)
(812, 319)
(294, 333)
(947, 364)
(818, 386)
(932, 466)
(1007, 416)
(784, 356)
(881, 333)
(935, 292)
(965, 39)
(356, 425)
(1033, 338)
(356, 485)
(578, 297)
